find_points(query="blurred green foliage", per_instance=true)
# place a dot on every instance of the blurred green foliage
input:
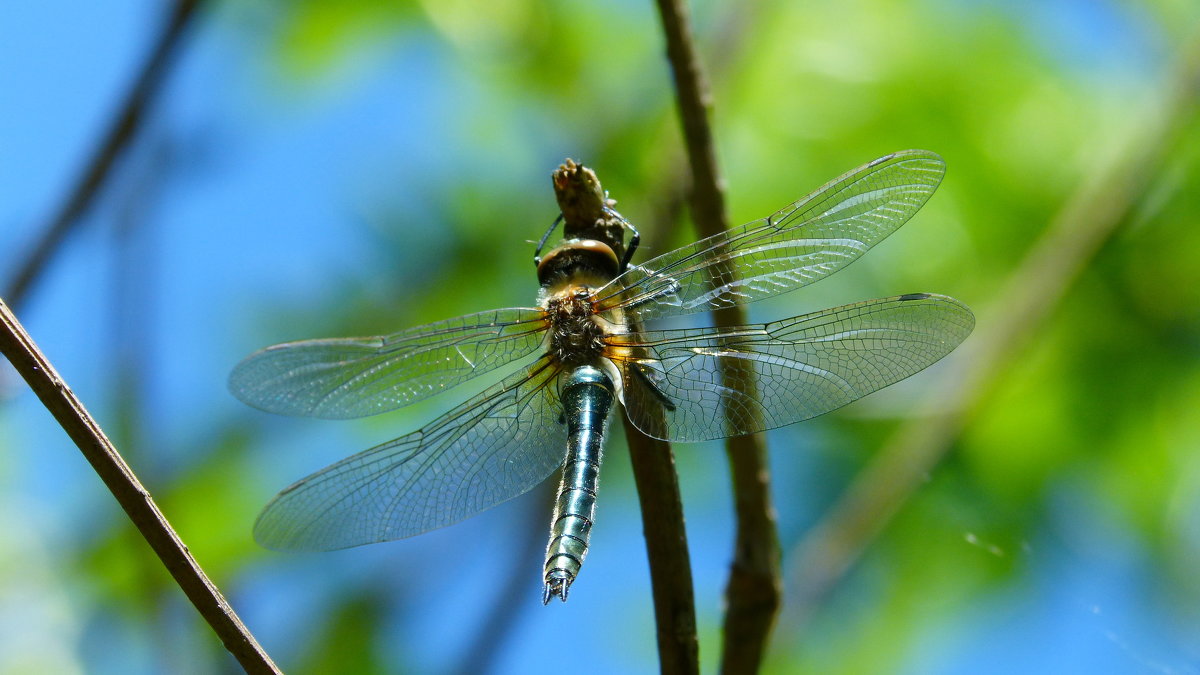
(1098, 413)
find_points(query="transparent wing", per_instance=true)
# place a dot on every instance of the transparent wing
(353, 377)
(785, 371)
(492, 448)
(796, 246)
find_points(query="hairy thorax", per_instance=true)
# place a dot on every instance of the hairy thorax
(576, 333)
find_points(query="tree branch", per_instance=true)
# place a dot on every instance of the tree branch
(666, 548)
(754, 591)
(116, 140)
(33, 366)
(1033, 291)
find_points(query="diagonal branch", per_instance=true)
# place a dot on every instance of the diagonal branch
(29, 361)
(753, 594)
(121, 131)
(1087, 220)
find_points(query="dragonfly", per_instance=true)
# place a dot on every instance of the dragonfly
(584, 348)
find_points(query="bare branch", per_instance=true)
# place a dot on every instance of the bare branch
(1087, 220)
(666, 548)
(122, 129)
(28, 360)
(754, 590)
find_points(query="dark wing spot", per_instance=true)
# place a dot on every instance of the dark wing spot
(913, 296)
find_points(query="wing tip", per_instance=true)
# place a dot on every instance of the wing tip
(914, 154)
(914, 159)
(948, 302)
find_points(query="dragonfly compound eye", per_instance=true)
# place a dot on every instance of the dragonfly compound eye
(576, 257)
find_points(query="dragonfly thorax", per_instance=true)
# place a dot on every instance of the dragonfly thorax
(576, 337)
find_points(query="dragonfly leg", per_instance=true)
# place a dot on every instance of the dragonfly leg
(643, 374)
(635, 237)
(537, 255)
(671, 287)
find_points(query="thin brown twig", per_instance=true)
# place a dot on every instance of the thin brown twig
(754, 591)
(33, 366)
(122, 129)
(666, 548)
(1087, 220)
(673, 184)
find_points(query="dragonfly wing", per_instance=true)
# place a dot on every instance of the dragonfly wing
(796, 246)
(492, 448)
(701, 384)
(353, 377)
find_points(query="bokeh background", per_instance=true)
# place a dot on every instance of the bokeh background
(313, 169)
